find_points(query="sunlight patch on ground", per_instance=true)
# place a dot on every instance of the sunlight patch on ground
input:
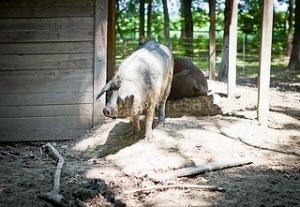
(145, 158)
(99, 137)
(101, 172)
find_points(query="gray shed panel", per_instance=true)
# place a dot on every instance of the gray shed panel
(47, 51)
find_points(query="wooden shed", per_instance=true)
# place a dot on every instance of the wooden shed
(53, 60)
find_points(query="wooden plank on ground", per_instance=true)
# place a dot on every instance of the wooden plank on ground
(47, 12)
(46, 61)
(100, 60)
(30, 99)
(46, 48)
(265, 62)
(195, 170)
(45, 3)
(50, 86)
(70, 23)
(46, 36)
(45, 110)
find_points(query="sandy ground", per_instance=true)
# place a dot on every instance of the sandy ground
(104, 166)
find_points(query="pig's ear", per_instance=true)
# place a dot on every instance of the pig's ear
(107, 87)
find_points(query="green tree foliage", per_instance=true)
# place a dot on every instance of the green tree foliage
(249, 24)
(294, 63)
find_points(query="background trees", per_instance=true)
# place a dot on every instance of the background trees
(188, 30)
(142, 22)
(294, 63)
(187, 25)
(166, 23)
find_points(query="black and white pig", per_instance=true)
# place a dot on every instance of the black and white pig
(141, 84)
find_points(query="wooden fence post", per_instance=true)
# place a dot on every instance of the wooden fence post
(232, 50)
(100, 58)
(265, 62)
(111, 40)
(212, 39)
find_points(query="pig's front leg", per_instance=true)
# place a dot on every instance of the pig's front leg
(148, 123)
(136, 126)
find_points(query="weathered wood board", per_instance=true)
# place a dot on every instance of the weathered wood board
(48, 24)
(31, 12)
(38, 48)
(46, 61)
(45, 3)
(37, 99)
(46, 36)
(47, 67)
(45, 110)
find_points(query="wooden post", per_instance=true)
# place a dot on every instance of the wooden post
(265, 62)
(232, 50)
(100, 58)
(212, 39)
(111, 40)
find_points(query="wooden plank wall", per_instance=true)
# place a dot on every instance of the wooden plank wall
(46, 68)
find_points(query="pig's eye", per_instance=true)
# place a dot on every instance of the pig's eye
(121, 102)
(129, 99)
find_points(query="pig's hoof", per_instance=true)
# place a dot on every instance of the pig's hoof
(162, 123)
(149, 138)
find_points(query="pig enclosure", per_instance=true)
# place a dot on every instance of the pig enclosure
(104, 166)
(53, 59)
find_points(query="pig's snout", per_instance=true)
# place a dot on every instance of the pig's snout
(106, 112)
(109, 112)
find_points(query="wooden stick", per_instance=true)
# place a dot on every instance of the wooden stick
(9, 154)
(201, 187)
(197, 170)
(53, 196)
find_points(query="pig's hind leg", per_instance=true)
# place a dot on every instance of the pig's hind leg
(148, 123)
(162, 103)
(162, 113)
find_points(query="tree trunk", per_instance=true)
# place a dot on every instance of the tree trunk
(166, 23)
(294, 63)
(291, 29)
(149, 19)
(187, 25)
(222, 75)
(142, 22)
(212, 39)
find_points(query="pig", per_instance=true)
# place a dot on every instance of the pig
(188, 80)
(183, 63)
(141, 84)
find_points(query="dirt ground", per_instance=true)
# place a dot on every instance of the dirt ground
(105, 165)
